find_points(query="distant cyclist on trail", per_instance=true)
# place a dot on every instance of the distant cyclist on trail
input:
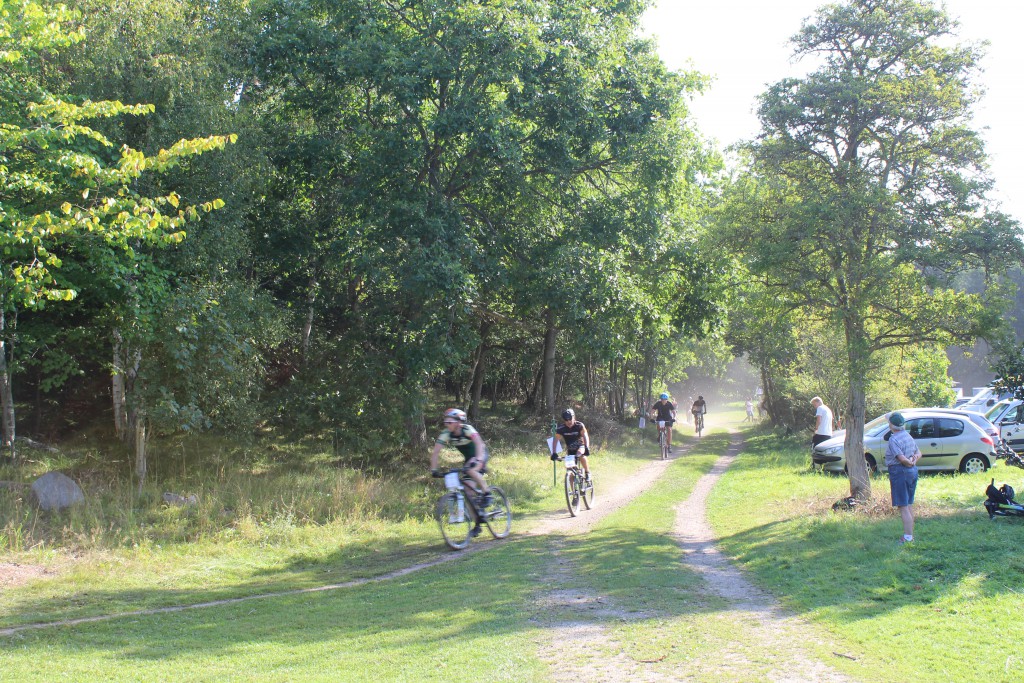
(458, 434)
(573, 436)
(663, 410)
(699, 407)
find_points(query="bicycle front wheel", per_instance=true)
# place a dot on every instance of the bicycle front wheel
(499, 515)
(664, 446)
(588, 492)
(455, 518)
(572, 492)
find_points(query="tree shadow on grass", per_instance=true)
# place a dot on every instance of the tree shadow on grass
(857, 568)
(488, 594)
(496, 596)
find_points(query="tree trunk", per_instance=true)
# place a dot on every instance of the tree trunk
(548, 398)
(415, 426)
(858, 355)
(588, 384)
(6, 392)
(118, 389)
(139, 443)
(307, 328)
(624, 389)
(479, 372)
(122, 383)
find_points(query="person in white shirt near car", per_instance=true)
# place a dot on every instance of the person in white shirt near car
(822, 422)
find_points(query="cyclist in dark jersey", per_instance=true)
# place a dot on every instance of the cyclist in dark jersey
(572, 434)
(663, 410)
(699, 407)
(458, 434)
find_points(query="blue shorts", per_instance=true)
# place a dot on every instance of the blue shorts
(902, 484)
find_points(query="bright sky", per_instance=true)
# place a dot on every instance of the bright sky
(743, 45)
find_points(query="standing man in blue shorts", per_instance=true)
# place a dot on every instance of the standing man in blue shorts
(901, 456)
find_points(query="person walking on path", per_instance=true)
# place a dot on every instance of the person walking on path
(750, 411)
(822, 422)
(901, 456)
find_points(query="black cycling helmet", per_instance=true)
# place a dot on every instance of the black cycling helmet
(568, 414)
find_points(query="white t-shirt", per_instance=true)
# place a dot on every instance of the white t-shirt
(825, 428)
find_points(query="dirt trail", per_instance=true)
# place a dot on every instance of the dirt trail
(782, 640)
(773, 647)
(557, 521)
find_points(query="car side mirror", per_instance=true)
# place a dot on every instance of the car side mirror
(887, 435)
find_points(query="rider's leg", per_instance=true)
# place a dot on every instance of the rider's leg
(474, 473)
(586, 465)
(668, 435)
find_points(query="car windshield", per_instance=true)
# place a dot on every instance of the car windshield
(876, 426)
(995, 410)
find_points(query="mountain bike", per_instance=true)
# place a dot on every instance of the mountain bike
(577, 486)
(663, 439)
(698, 422)
(461, 510)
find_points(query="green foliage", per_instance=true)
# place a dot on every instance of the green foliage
(866, 191)
(64, 180)
(929, 384)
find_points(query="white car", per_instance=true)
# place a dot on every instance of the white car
(1008, 417)
(948, 441)
(983, 401)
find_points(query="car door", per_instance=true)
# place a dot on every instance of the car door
(934, 450)
(1011, 427)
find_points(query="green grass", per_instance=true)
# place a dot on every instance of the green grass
(946, 608)
(476, 617)
(272, 528)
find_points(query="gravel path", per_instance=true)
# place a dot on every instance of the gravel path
(771, 645)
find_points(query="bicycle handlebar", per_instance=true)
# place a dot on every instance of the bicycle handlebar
(442, 473)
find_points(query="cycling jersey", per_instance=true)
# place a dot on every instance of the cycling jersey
(463, 442)
(664, 410)
(573, 435)
(699, 407)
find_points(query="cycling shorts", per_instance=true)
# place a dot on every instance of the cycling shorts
(574, 448)
(472, 460)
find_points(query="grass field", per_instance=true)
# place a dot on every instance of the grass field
(946, 608)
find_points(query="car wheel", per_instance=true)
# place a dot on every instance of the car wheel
(869, 461)
(973, 463)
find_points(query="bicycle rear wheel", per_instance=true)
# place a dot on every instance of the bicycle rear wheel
(700, 425)
(572, 492)
(499, 516)
(455, 523)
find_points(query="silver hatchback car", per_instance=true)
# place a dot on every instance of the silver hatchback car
(947, 442)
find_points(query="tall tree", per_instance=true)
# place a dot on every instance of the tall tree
(63, 182)
(445, 163)
(874, 187)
